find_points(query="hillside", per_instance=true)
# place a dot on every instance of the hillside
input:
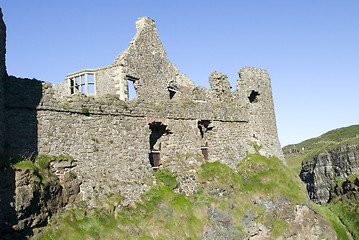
(258, 199)
(329, 165)
(295, 154)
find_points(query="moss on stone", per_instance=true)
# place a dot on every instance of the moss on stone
(167, 178)
(161, 213)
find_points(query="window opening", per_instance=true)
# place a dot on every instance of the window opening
(131, 91)
(157, 131)
(91, 84)
(204, 127)
(131, 88)
(172, 92)
(82, 82)
(253, 97)
(72, 86)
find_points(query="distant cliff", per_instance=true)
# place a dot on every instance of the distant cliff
(329, 166)
(323, 161)
(322, 173)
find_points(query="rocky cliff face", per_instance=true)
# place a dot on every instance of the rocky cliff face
(322, 172)
(28, 198)
(301, 222)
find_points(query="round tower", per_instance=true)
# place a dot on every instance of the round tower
(255, 93)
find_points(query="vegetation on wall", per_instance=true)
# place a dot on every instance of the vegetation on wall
(161, 213)
(40, 166)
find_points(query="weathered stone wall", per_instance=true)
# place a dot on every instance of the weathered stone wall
(145, 59)
(22, 96)
(255, 93)
(61, 91)
(112, 80)
(112, 138)
(2, 78)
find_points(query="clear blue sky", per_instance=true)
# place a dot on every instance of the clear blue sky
(310, 48)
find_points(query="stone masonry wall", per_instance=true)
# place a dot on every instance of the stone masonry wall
(2, 78)
(145, 59)
(255, 93)
(111, 138)
(22, 96)
(111, 80)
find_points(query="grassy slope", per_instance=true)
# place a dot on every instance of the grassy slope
(164, 214)
(346, 212)
(329, 140)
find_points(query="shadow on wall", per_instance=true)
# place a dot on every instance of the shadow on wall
(7, 211)
(157, 131)
(22, 96)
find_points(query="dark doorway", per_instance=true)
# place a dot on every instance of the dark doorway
(158, 129)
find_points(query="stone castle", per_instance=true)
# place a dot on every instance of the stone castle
(118, 143)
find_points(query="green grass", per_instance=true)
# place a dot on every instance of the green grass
(338, 211)
(330, 140)
(85, 111)
(98, 225)
(161, 213)
(278, 227)
(40, 167)
(348, 212)
(167, 178)
(333, 219)
(270, 176)
(217, 172)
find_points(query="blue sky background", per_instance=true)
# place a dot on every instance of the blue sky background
(310, 48)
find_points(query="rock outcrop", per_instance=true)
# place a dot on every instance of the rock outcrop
(28, 197)
(301, 223)
(322, 172)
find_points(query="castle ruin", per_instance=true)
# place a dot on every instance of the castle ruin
(117, 143)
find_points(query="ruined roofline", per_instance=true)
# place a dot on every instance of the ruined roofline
(145, 61)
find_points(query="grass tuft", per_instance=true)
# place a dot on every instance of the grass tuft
(167, 178)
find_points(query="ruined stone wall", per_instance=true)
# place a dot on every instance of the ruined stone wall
(111, 139)
(255, 93)
(22, 96)
(111, 80)
(61, 91)
(228, 142)
(145, 59)
(2, 78)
